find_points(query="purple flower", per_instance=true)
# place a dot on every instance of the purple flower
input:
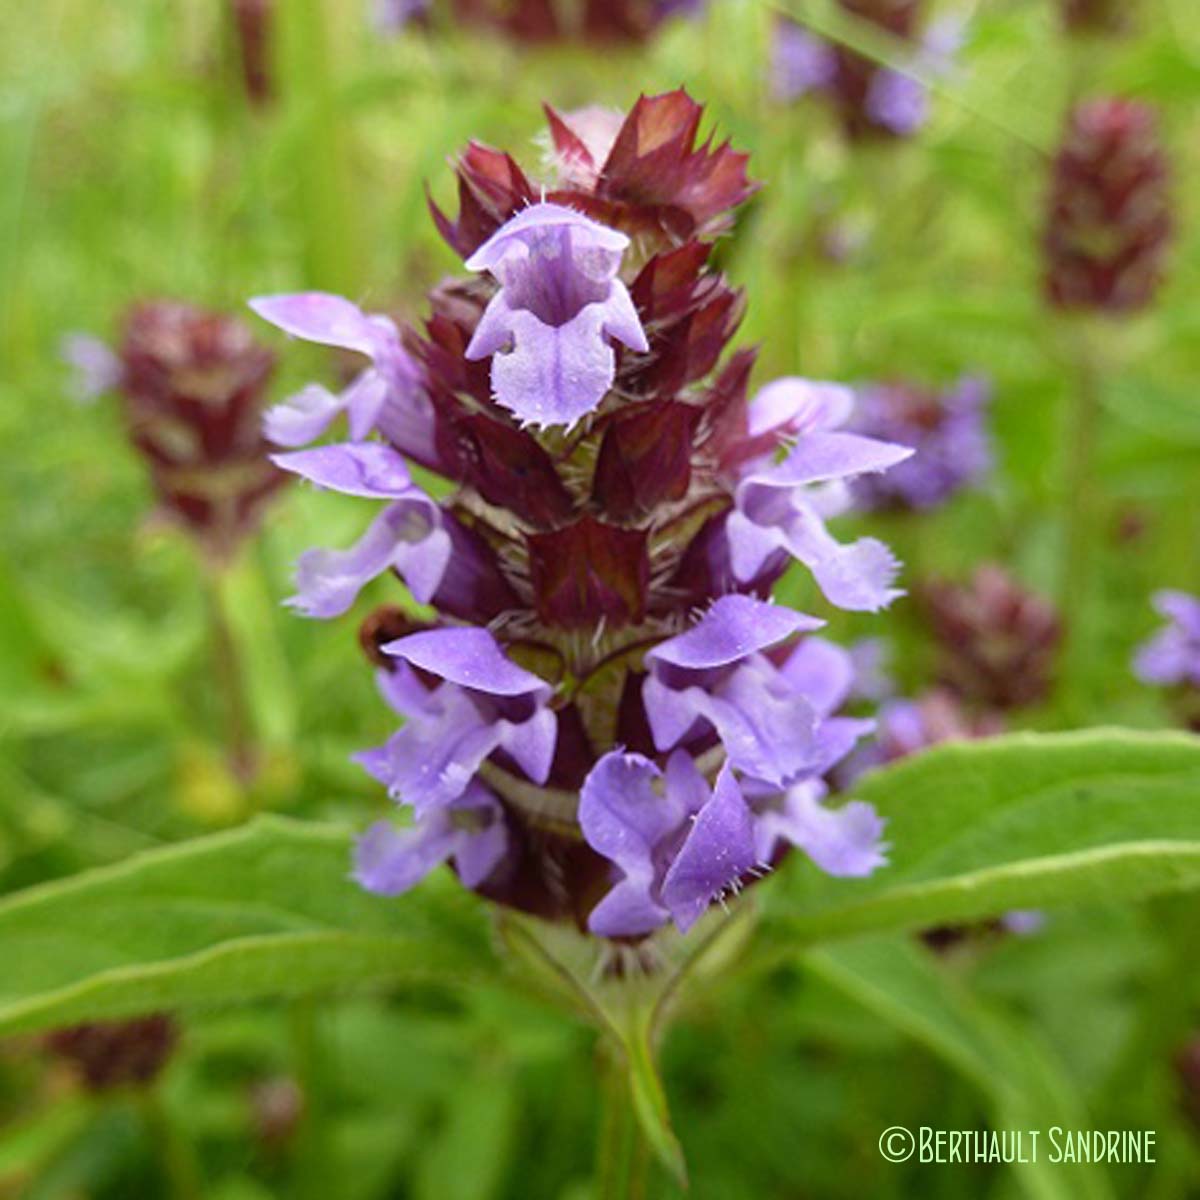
(783, 506)
(577, 742)
(871, 99)
(387, 396)
(392, 16)
(1024, 921)
(677, 845)
(407, 536)
(716, 677)
(1172, 656)
(484, 704)
(872, 661)
(96, 367)
(897, 102)
(470, 829)
(549, 329)
(947, 431)
(907, 727)
(676, 851)
(800, 62)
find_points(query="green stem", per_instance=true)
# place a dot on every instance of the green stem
(621, 1160)
(180, 1166)
(1080, 508)
(316, 1174)
(230, 680)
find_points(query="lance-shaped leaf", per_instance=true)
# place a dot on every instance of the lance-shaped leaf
(1026, 821)
(265, 911)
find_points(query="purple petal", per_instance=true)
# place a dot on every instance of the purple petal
(368, 469)
(552, 376)
(404, 692)
(521, 235)
(800, 62)
(96, 368)
(404, 535)
(389, 861)
(627, 911)
(302, 418)
(1024, 921)
(482, 834)
(897, 102)
(432, 760)
(825, 457)
(822, 672)
(621, 814)
(470, 658)
(671, 712)
(718, 851)
(364, 400)
(794, 406)
(857, 577)
(1182, 609)
(765, 726)
(845, 841)
(323, 318)
(549, 328)
(735, 627)
(532, 743)
(472, 831)
(1166, 659)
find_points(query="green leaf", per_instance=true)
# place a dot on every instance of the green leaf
(1017, 1076)
(264, 911)
(1025, 821)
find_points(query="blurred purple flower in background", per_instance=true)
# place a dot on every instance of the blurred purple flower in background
(391, 16)
(537, 21)
(871, 100)
(1172, 656)
(948, 430)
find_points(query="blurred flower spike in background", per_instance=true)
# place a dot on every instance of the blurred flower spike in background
(607, 720)
(193, 384)
(871, 101)
(1109, 221)
(585, 21)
